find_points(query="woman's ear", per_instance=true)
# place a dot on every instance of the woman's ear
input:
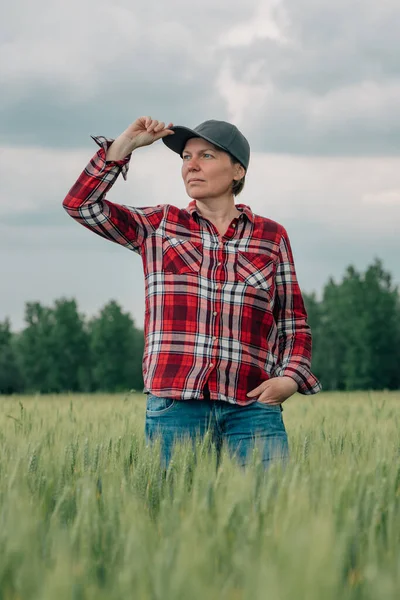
(240, 172)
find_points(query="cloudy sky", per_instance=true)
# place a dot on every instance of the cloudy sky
(314, 86)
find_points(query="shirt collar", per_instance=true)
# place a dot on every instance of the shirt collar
(246, 210)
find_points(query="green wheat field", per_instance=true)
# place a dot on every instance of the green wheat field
(87, 513)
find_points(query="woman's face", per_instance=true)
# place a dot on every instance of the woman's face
(202, 160)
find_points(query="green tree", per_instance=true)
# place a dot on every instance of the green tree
(70, 347)
(353, 314)
(117, 350)
(35, 349)
(330, 354)
(356, 330)
(54, 348)
(314, 309)
(11, 380)
(381, 327)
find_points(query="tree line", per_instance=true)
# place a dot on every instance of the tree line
(59, 350)
(355, 327)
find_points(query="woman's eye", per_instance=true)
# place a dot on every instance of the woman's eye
(187, 156)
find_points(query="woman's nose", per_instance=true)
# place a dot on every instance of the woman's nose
(193, 162)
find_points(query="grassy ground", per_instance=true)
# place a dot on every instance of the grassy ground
(85, 512)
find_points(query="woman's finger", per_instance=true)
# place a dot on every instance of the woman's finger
(153, 125)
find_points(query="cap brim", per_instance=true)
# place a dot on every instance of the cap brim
(177, 141)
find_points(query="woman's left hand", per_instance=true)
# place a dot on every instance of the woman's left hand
(274, 391)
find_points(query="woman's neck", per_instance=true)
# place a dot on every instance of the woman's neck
(217, 211)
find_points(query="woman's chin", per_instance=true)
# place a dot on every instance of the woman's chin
(196, 194)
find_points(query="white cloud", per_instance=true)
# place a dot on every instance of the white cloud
(385, 197)
(303, 77)
(242, 98)
(33, 178)
(342, 193)
(69, 45)
(341, 119)
(338, 211)
(315, 87)
(263, 25)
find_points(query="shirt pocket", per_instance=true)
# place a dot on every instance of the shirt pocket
(181, 256)
(257, 270)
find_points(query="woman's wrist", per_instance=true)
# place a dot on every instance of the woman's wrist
(121, 147)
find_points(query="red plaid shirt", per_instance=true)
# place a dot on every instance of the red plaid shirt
(226, 311)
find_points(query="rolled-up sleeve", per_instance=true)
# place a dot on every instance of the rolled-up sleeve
(86, 202)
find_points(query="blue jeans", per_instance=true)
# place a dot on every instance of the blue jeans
(239, 427)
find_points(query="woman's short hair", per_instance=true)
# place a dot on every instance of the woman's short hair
(237, 186)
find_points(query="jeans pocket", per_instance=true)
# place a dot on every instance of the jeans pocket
(273, 407)
(157, 405)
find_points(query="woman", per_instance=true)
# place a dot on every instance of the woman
(226, 333)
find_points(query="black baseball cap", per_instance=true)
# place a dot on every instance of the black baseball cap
(220, 133)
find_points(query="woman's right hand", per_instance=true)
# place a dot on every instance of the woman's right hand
(145, 130)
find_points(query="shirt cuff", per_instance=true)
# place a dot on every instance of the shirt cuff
(104, 144)
(307, 382)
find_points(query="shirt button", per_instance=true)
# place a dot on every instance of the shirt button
(219, 264)
(233, 224)
(215, 313)
(211, 365)
(217, 287)
(214, 339)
